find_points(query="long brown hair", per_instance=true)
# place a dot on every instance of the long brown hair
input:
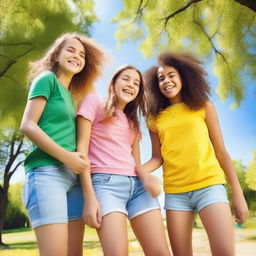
(81, 82)
(134, 108)
(195, 90)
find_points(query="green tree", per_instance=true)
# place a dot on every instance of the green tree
(27, 30)
(251, 173)
(16, 215)
(222, 31)
(12, 153)
(249, 194)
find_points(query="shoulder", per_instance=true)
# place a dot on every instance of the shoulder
(45, 76)
(90, 106)
(91, 98)
(209, 108)
(209, 105)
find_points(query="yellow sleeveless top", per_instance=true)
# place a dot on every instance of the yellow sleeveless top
(189, 161)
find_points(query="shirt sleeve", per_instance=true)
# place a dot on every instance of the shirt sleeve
(89, 107)
(151, 124)
(42, 85)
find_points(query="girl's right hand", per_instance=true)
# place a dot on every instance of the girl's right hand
(151, 184)
(77, 162)
(91, 213)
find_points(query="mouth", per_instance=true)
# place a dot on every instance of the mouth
(74, 63)
(127, 91)
(169, 88)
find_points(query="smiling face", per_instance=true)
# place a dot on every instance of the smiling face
(71, 58)
(170, 84)
(126, 87)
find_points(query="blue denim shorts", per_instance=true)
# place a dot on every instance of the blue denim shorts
(120, 193)
(52, 194)
(196, 200)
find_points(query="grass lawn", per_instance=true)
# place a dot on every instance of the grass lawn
(21, 242)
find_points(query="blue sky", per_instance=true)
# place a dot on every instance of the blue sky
(238, 126)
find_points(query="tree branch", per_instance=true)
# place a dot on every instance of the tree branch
(216, 50)
(140, 10)
(15, 168)
(251, 4)
(191, 2)
(14, 61)
(14, 44)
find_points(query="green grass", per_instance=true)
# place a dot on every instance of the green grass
(21, 242)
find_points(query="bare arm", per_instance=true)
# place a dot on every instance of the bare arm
(29, 126)
(150, 182)
(156, 158)
(225, 161)
(91, 212)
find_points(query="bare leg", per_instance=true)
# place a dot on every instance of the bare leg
(113, 234)
(52, 239)
(75, 238)
(180, 224)
(149, 230)
(217, 220)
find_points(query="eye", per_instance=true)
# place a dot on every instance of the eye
(137, 84)
(82, 55)
(70, 50)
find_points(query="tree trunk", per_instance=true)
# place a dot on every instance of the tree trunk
(3, 207)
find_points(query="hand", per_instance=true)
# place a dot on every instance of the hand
(240, 207)
(91, 213)
(77, 162)
(151, 184)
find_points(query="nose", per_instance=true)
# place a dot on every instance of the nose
(166, 80)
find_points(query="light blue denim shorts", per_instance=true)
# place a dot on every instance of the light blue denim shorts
(52, 194)
(196, 200)
(120, 193)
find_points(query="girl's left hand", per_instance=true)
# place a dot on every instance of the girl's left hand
(240, 207)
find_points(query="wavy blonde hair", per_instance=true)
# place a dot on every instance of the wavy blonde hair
(82, 82)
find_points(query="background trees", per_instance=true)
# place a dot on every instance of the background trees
(223, 32)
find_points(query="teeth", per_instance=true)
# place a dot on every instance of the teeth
(127, 91)
(73, 63)
(168, 88)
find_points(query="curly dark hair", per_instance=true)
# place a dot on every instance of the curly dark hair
(134, 108)
(195, 89)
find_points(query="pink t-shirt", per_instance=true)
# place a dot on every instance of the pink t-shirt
(110, 149)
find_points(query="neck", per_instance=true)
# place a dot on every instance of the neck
(121, 105)
(65, 79)
(174, 101)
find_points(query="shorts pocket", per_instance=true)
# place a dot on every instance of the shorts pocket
(102, 178)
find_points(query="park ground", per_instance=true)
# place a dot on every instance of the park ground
(22, 242)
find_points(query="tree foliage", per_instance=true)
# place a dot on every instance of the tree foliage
(222, 31)
(249, 194)
(16, 214)
(251, 173)
(27, 30)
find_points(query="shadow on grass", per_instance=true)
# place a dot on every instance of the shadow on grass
(251, 238)
(91, 244)
(22, 245)
(9, 231)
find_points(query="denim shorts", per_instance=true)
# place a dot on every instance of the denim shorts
(196, 200)
(120, 193)
(52, 194)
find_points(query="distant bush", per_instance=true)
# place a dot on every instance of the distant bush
(16, 216)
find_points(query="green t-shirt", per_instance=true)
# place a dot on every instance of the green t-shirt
(57, 119)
